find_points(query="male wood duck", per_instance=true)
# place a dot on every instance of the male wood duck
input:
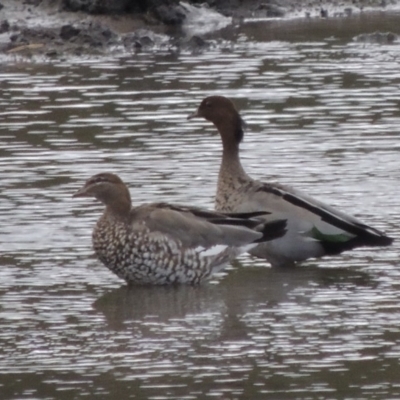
(314, 229)
(159, 244)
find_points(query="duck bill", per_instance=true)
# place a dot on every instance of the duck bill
(194, 115)
(81, 193)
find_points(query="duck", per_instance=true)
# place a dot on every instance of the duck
(161, 244)
(314, 229)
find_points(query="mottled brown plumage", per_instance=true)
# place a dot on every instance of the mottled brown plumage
(165, 244)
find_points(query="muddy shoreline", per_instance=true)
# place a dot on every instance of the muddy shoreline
(58, 28)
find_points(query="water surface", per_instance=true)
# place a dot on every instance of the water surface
(323, 115)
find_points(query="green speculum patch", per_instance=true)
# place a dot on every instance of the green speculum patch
(337, 238)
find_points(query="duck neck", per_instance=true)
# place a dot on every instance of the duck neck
(118, 203)
(231, 173)
(119, 209)
(231, 135)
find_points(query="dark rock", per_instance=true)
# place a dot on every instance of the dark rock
(196, 42)
(52, 53)
(131, 40)
(209, 3)
(168, 12)
(4, 26)
(391, 37)
(170, 15)
(105, 6)
(68, 31)
(79, 51)
(90, 40)
(146, 41)
(33, 2)
(272, 10)
(196, 45)
(97, 35)
(15, 37)
(108, 35)
(138, 40)
(77, 5)
(324, 13)
(348, 11)
(376, 37)
(38, 34)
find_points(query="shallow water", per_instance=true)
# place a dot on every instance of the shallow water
(323, 115)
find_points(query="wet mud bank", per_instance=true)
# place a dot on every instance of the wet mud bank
(59, 28)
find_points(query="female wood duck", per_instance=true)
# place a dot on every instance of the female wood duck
(162, 244)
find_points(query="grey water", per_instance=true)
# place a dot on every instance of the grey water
(323, 115)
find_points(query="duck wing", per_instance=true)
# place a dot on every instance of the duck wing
(335, 230)
(196, 227)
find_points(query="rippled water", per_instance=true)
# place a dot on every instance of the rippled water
(323, 115)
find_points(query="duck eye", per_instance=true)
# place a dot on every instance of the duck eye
(208, 104)
(98, 179)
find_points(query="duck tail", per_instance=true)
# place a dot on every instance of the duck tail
(272, 230)
(366, 237)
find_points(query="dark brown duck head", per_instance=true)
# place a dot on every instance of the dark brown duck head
(110, 190)
(222, 113)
